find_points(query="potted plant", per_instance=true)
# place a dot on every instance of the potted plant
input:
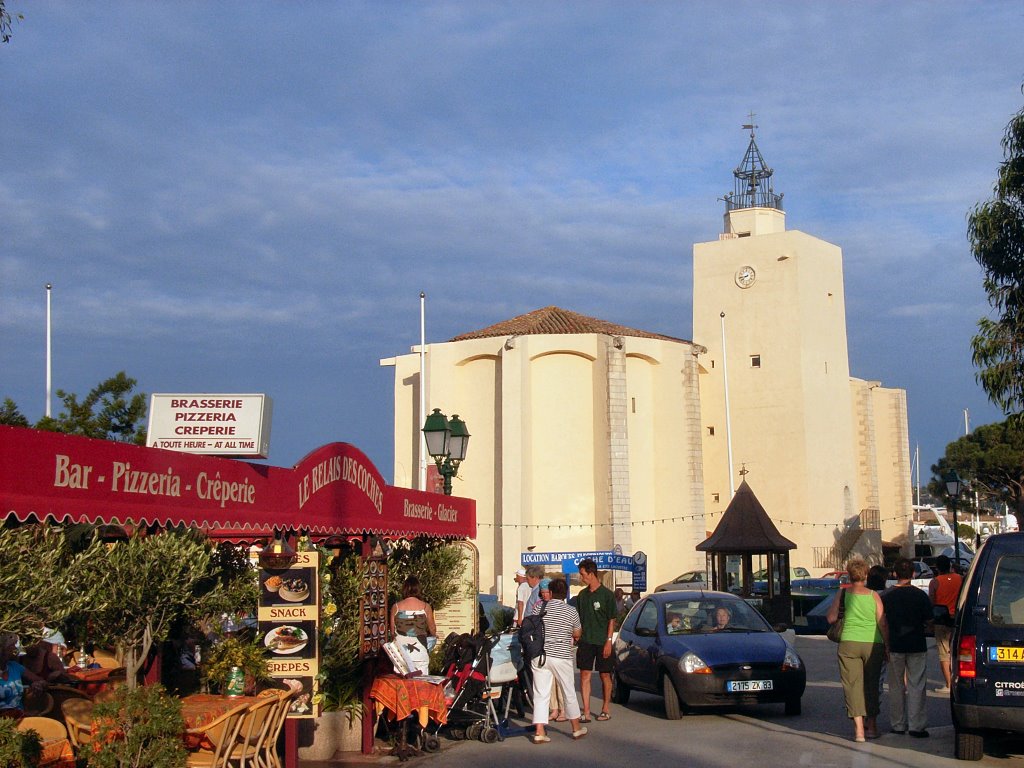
(18, 749)
(231, 657)
(138, 728)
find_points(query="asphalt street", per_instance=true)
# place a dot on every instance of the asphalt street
(639, 735)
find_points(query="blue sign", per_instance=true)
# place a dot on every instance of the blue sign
(605, 561)
(556, 558)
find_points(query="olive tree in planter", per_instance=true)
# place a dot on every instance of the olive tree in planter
(140, 587)
(40, 582)
(137, 728)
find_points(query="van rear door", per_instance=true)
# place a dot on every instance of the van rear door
(1000, 640)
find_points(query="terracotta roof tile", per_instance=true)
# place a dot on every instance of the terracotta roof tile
(555, 320)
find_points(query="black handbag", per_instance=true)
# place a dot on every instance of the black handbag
(835, 629)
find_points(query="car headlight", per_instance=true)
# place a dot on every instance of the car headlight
(693, 664)
(792, 660)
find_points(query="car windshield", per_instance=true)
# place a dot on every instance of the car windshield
(712, 615)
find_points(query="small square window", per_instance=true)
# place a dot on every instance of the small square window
(714, 497)
(711, 431)
(755, 361)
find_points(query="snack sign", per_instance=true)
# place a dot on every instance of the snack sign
(289, 623)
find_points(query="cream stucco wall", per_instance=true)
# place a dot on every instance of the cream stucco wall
(579, 441)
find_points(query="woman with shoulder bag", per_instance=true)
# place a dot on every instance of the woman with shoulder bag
(862, 649)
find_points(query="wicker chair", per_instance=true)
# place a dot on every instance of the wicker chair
(269, 757)
(256, 724)
(223, 734)
(78, 718)
(36, 703)
(46, 727)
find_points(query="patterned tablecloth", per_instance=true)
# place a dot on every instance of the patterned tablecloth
(90, 681)
(402, 696)
(57, 753)
(200, 709)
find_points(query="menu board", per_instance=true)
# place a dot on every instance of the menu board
(461, 614)
(373, 608)
(289, 626)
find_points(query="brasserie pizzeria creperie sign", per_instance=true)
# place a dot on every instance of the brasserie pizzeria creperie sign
(214, 425)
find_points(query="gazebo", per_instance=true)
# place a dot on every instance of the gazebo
(745, 532)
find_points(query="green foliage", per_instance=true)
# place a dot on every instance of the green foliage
(39, 583)
(235, 652)
(106, 413)
(232, 587)
(992, 459)
(996, 233)
(501, 618)
(18, 749)
(10, 415)
(340, 668)
(138, 728)
(437, 564)
(141, 587)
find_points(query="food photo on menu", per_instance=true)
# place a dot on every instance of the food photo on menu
(287, 639)
(287, 587)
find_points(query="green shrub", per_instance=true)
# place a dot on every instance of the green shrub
(138, 728)
(18, 749)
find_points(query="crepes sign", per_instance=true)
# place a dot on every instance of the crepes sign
(213, 425)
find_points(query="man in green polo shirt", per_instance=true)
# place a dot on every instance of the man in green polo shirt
(596, 606)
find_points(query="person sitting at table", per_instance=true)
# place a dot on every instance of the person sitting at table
(412, 616)
(43, 659)
(13, 677)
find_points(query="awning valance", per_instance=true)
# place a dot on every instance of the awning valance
(334, 490)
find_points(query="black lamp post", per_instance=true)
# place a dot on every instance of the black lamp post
(447, 442)
(954, 486)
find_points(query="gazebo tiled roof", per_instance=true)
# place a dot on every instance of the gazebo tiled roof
(555, 320)
(745, 527)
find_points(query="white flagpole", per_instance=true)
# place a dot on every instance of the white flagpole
(49, 287)
(423, 391)
(728, 420)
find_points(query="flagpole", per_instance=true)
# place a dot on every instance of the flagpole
(423, 391)
(49, 370)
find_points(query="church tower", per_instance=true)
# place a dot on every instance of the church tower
(776, 396)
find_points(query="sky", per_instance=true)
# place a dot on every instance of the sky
(239, 197)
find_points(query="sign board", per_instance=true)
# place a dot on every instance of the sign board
(605, 561)
(639, 571)
(289, 626)
(556, 558)
(373, 608)
(461, 614)
(213, 425)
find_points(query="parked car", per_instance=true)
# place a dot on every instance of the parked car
(794, 573)
(687, 580)
(987, 694)
(922, 570)
(673, 644)
(843, 576)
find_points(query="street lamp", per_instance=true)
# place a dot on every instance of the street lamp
(954, 486)
(447, 442)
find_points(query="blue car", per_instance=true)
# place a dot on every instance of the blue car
(704, 649)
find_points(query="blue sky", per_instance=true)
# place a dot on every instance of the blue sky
(249, 197)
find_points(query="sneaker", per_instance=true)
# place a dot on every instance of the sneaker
(580, 733)
(941, 689)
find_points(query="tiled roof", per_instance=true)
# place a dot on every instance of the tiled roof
(745, 527)
(555, 320)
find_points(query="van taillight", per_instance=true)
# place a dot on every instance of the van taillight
(966, 666)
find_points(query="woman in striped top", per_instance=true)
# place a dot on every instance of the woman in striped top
(561, 629)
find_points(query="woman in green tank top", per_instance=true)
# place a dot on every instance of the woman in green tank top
(862, 649)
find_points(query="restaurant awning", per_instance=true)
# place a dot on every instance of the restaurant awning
(334, 490)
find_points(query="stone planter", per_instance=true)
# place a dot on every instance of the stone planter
(321, 737)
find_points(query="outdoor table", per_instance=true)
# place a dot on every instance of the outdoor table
(90, 681)
(57, 753)
(403, 695)
(201, 709)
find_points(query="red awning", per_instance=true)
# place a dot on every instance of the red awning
(335, 490)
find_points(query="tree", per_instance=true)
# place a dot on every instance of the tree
(141, 587)
(10, 415)
(992, 458)
(105, 413)
(38, 583)
(996, 231)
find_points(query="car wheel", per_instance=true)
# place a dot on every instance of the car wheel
(673, 711)
(620, 691)
(793, 707)
(969, 746)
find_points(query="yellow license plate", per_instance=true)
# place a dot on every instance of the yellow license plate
(1006, 653)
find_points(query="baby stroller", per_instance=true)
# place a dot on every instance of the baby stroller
(480, 671)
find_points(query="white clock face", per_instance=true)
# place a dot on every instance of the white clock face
(745, 277)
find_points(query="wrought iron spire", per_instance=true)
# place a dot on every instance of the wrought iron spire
(753, 179)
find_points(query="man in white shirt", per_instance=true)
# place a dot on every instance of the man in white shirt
(522, 595)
